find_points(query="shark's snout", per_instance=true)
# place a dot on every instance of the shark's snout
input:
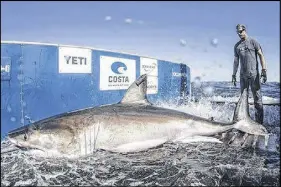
(18, 136)
(15, 142)
(18, 132)
(12, 140)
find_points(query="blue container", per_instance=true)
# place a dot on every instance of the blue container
(41, 80)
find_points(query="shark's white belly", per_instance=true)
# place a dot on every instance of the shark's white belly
(101, 136)
(138, 134)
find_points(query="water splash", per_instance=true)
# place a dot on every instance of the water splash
(197, 82)
(180, 164)
(214, 42)
(107, 18)
(182, 42)
(128, 20)
(208, 91)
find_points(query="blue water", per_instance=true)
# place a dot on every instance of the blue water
(207, 164)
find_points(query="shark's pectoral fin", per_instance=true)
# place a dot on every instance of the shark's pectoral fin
(197, 139)
(139, 145)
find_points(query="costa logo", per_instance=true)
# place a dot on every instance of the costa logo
(118, 67)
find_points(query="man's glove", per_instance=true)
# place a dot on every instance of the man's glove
(263, 75)
(234, 80)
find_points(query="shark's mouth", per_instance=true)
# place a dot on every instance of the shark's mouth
(14, 142)
(24, 145)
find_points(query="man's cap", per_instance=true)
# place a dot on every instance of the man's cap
(240, 27)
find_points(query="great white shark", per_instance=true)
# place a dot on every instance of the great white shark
(131, 125)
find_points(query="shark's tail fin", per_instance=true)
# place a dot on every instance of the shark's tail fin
(242, 120)
(241, 111)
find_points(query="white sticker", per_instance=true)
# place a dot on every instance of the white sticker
(152, 85)
(75, 60)
(5, 68)
(116, 73)
(177, 74)
(149, 66)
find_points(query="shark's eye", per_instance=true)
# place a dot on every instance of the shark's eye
(35, 127)
(25, 137)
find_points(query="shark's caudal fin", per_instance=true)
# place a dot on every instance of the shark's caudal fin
(136, 93)
(242, 120)
(241, 111)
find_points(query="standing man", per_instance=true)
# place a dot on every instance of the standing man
(246, 51)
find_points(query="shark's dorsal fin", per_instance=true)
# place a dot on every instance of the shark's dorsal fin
(136, 93)
(242, 107)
